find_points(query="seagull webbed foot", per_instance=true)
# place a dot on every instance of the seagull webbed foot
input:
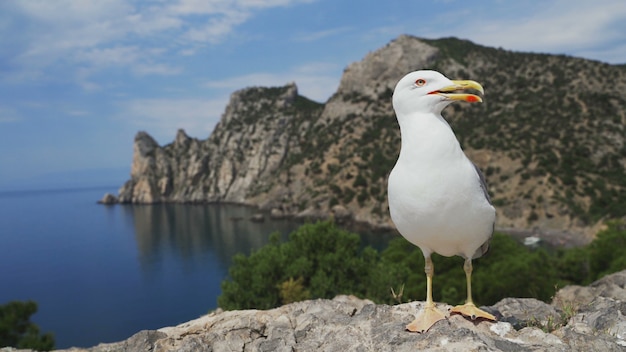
(426, 319)
(470, 310)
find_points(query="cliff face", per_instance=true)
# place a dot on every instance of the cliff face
(243, 156)
(549, 137)
(579, 319)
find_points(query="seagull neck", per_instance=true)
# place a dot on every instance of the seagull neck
(427, 136)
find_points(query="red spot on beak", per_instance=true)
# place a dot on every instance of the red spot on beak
(472, 99)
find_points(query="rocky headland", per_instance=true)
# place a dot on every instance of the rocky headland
(549, 138)
(591, 318)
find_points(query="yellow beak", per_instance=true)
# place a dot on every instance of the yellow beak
(462, 85)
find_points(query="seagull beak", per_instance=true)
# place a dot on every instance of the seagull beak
(448, 92)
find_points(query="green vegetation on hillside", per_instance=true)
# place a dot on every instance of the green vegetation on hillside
(16, 329)
(321, 261)
(555, 115)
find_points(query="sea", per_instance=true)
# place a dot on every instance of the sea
(101, 273)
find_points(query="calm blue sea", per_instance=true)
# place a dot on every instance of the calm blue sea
(102, 273)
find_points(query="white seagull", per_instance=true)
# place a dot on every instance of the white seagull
(438, 198)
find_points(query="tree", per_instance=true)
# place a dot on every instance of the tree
(16, 330)
(606, 252)
(319, 261)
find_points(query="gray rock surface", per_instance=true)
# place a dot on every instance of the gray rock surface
(579, 319)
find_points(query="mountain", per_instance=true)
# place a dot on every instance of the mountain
(549, 138)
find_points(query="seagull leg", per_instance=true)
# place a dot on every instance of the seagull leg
(469, 308)
(430, 315)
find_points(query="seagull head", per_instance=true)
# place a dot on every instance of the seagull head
(429, 92)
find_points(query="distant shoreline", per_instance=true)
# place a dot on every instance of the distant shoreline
(554, 238)
(33, 191)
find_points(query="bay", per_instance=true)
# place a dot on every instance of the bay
(102, 273)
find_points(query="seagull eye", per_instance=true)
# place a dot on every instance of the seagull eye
(420, 82)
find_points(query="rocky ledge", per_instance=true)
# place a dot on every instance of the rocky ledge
(579, 319)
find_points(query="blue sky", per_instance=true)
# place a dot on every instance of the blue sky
(78, 78)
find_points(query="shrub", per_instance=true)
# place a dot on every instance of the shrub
(606, 252)
(16, 329)
(326, 260)
(293, 291)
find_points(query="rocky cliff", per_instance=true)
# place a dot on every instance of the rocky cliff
(549, 137)
(589, 318)
(249, 146)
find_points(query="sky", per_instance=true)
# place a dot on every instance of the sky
(78, 78)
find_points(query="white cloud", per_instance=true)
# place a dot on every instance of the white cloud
(199, 7)
(160, 117)
(97, 34)
(314, 36)
(269, 3)
(564, 25)
(317, 81)
(78, 113)
(72, 10)
(152, 21)
(575, 27)
(216, 28)
(187, 52)
(56, 27)
(143, 69)
(8, 115)
(114, 56)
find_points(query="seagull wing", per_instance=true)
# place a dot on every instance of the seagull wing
(483, 185)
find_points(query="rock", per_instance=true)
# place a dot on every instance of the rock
(258, 217)
(598, 313)
(347, 323)
(340, 212)
(276, 213)
(598, 326)
(310, 214)
(522, 312)
(611, 286)
(108, 199)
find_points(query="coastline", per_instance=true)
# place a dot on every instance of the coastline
(549, 237)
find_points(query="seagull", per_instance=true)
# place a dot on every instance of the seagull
(438, 198)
